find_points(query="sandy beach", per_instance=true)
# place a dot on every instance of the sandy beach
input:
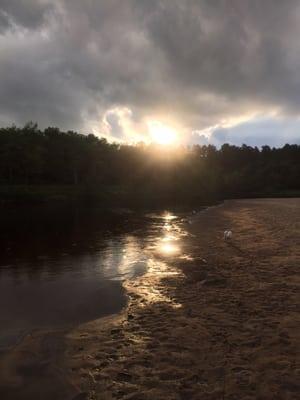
(222, 324)
(220, 320)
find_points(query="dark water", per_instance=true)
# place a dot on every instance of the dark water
(66, 266)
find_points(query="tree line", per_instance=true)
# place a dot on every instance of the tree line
(143, 174)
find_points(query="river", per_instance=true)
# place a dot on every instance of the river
(64, 266)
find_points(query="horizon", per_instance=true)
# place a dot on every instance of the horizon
(158, 144)
(186, 72)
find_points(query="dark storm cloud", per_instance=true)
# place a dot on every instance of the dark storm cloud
(240, 49)
(67, 62)
(27, 13)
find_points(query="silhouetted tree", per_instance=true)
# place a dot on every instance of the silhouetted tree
(144, 174)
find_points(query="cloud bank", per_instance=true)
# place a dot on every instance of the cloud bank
(214, 71)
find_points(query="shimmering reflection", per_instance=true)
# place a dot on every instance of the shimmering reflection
(168, 238)
(65, 266)
(123, 259)
(168, 243)
(186, 257)
(149, 288)
(164, 246)
(167, 227)
(55, 273)
(169, 217)
(169, 248)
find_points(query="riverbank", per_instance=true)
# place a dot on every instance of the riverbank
(209, 320)
(116, 197)
(220, 323)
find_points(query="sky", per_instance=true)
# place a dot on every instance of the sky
(184, 71)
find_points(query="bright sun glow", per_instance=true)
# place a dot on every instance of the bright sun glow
(169, 249)
(169, 217)
(161, 134)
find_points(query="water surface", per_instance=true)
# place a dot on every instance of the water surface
(66, 266)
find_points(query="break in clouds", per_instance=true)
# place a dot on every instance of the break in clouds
(214, 71)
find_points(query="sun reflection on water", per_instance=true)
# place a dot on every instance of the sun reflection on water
(164, 247)
(150, 289)
(169, 217)
(168, 238)
(168, 243)
(167, 227)
(169, 248)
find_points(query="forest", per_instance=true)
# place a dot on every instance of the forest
(49, 165)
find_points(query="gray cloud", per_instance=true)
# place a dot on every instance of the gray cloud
(198, 63)
(24, 13)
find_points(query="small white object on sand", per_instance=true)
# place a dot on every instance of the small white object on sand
(227, 235)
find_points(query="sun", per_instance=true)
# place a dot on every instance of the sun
(161, 133)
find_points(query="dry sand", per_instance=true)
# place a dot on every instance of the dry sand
(221, 323)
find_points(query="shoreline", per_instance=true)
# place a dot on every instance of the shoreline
(216, 321)
(224, 323)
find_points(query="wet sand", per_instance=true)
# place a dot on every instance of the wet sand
(221, 322)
